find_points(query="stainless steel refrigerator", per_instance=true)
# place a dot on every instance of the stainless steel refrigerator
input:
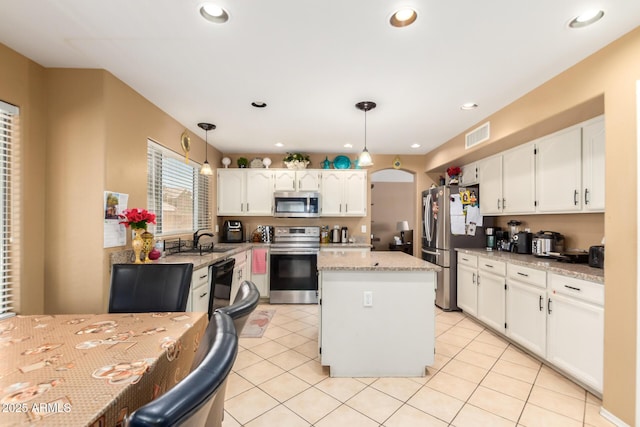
(439, 242)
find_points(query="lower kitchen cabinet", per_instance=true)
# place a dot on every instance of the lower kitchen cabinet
(241, 272)
(468, 283)
(200, 290)
(575, 333)
(491, 293)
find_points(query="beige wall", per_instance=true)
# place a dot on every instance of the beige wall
(392, 202)
(22, 83)
(604, 82)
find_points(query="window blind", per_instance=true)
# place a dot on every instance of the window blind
(176, 192)
(9, 242)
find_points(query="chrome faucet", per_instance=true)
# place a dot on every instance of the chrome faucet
(196, 237)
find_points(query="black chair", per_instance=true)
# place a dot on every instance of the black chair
(189, 402)
(245, 302)
(143, 288)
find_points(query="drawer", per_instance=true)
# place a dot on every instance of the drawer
(527, 275)
(492, 266)
(200, 277)
(241, 258)
(576, 288)
(466, 259)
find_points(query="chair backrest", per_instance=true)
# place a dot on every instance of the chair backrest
(189, 402)
(245, 302)
(140, 288)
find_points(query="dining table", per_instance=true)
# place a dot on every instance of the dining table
(91, 369)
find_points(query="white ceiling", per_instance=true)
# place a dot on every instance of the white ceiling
(312, 61)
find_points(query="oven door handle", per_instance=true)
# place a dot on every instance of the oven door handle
(293, 252)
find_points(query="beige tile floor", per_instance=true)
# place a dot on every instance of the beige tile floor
(478, 379)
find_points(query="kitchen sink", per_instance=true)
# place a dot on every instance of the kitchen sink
(193, 252)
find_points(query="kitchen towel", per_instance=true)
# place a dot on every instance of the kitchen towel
(259, 261)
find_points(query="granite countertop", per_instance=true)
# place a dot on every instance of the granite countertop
(345, 245)
(372, 261)
(578, 271)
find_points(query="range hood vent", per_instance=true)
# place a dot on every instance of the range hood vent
(476, 136)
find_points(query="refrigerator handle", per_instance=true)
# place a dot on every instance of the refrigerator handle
(427, 217)
(431, 252)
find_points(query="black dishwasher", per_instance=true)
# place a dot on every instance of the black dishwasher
(220, 278)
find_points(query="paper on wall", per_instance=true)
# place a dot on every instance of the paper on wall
(473, 215)
(114, 233)
(456, 205)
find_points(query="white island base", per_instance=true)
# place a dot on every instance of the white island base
(377, 323)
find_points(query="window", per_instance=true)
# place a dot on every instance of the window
(176, 192)
(8, 204)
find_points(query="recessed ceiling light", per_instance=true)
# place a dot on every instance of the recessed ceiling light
(279, 144)
(403, 17)
(586, 18)
(469, 106)
(214, 13)
(259, 104)
(347, 145)
(415, 145)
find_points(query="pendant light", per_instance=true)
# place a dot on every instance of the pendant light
(206, 168)
(365, 158)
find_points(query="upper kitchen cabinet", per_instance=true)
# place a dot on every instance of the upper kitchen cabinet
(507, 183)
(593, 160)
(570, 169)
(297, 180)
(245, 192)
(344, 193)
(469, 174)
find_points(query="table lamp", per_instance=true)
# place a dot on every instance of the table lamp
(402, 226)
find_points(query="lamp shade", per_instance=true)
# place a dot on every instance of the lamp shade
(402, 226)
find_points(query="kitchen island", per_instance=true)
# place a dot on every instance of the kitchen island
(376, 314)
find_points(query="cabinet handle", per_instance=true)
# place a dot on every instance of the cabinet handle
(504, 204)
(340, 207)
(575, 197)
(549, 306)
(488, 265)
(241, 207)
(586, 196)
(478, 280)
(299, 183)
(498, 204)
(540, 303)
(573, 288)
(465, 259)
(202, 277)
(204, 295)
(473, 278)
(247, 206)
(523, 274)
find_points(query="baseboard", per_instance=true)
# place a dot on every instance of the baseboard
(612, 418)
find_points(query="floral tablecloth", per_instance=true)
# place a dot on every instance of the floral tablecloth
(91, 369)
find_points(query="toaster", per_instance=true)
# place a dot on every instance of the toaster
(596, 256)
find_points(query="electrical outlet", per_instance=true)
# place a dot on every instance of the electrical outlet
(363, 228)
(367, 297)
(217, 229)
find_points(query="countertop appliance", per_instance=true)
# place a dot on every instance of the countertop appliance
(232, 232)
(296, 204)
(344, 235)
(546, 242)
(596, 256)
(439, 243)
(336, 236)
(220, 278)
(490, 232)
(294, 264)
(521, 243)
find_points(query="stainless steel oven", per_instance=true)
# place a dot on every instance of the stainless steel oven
(293, 268)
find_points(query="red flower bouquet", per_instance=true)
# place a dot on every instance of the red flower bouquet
(137, 218)
(453, 171)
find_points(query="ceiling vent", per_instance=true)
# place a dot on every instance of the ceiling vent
(476, 136)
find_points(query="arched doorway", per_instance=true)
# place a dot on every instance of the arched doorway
(392, 200)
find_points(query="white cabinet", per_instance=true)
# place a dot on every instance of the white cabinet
(575, 333)
(200, 290)
(344, 193)
(469, 174)
(241, 270)
(491, 293)
(468, 283)
(593, 161)
(558, 171)
(261, 280)
(245, 192)
(526, 315)
(507, 183)
(297, 180)
(490, 173)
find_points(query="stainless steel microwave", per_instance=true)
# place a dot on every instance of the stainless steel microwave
(296, 204)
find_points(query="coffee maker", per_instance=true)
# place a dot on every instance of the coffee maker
(490, 233)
